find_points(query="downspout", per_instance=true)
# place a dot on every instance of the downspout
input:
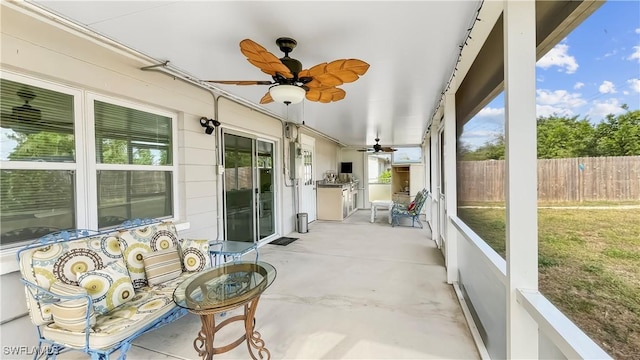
(219, 176)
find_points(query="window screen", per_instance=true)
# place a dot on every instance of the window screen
(126, 136)
(37, 197)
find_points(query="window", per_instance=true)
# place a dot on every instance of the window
(308, 167)
(38, 157)
(379, 166)
(405, 155)
(133, 164)
(54, 177)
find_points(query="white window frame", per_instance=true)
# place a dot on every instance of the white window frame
(8, 261)
(93, 166)
(79, 166)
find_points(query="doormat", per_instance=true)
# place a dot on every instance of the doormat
(284, 241)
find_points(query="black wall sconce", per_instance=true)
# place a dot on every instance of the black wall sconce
(209, 124)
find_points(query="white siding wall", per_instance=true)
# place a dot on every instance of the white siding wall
(326, 155)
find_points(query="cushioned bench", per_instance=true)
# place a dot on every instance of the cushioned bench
(96, 292)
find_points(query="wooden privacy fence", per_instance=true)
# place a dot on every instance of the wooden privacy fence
(613, 178)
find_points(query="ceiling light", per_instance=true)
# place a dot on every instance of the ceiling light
(288, 94)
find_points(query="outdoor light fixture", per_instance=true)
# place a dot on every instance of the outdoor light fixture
(288, 94)
(209, 125)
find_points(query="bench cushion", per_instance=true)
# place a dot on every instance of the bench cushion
(109, 287)
(143, 310)
(63, 262)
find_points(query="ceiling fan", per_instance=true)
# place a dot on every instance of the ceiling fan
(291, 84)
(379, 148)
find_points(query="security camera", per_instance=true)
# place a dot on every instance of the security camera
(209, 125)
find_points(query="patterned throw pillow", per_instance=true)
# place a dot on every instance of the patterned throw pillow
(71, 314)
(65, 260)
(411, 206)
(134, 243)
(108, 287)
(195, 254)
(161, 266)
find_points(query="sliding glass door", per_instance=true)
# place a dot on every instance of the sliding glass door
(248, 188)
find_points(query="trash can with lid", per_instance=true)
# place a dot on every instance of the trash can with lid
(303, 224)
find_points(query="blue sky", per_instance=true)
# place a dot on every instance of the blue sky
(590, 73)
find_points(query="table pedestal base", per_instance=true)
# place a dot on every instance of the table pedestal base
(204, 341)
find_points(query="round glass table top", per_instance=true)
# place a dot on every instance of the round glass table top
(225, 286)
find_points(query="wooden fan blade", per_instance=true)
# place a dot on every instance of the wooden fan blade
(264, 60)
(365, 150)
(241, 82)
(266, 98)
(336, 72)
(313, 83)
(326, 95)
(388, 149)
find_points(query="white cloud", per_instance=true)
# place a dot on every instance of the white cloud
(558, 102)
(615, 51)
(600, 109)
(636, 54)
(638, 31)
(607, 87)
(558, 56)
(559, 97)
(578, 85)
(489, 111)
(634, 84)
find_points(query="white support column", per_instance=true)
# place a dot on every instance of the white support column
(450, 174)
(521, 173)
(435, 183)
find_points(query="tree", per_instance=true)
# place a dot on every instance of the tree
(112, 151)
(568, 137)
(491, 150)
(42, 146)
(564, 137)
(618, 135)
(142, 157)
(385, 177)
(38, 189)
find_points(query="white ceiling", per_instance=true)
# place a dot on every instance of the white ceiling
(412, 47)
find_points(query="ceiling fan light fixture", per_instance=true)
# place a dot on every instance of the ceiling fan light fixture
(288, 94)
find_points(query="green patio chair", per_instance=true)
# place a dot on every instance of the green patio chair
(412, 210)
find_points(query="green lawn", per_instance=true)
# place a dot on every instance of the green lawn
(589, 267)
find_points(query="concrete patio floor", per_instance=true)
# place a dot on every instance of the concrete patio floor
(350, 290)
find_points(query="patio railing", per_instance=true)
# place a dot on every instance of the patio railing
(483, 280)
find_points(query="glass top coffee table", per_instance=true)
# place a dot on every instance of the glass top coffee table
(221, 289)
